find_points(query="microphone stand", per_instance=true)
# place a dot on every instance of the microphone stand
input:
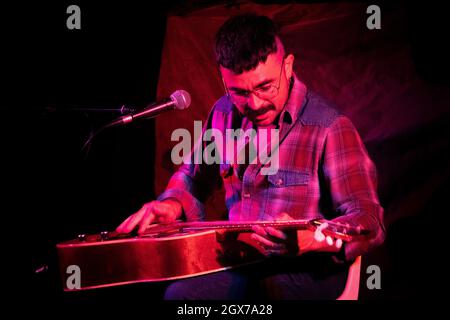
(126, 118)
(124, 110)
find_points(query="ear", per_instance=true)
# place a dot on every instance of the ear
(289, 65)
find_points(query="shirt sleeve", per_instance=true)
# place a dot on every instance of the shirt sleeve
(351, 178)
(193, 182)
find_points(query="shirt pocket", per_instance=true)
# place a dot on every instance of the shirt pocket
(287, 191)
(288, 177)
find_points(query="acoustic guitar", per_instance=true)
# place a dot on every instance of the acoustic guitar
(171, 251)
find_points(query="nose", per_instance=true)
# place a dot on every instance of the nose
(254, 102)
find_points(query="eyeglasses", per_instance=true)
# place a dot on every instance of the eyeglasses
(265, 92)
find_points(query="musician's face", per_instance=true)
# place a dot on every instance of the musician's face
(260, 94)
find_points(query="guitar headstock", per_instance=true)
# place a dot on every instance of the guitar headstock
(339, 230)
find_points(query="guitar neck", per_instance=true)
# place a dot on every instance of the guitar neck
(332, 229)
(243, 225)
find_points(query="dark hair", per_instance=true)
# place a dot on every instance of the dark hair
(244, 41)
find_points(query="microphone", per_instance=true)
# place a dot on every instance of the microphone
(178, 100)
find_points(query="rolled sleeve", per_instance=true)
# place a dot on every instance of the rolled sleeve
(193, 210)
(351, 177)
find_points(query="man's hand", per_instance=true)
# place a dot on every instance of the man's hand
(275, 242)
(161, 211)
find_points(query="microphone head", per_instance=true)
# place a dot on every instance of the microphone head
(181, 98)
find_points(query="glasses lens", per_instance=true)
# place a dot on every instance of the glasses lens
(268, 93)
(238, 99)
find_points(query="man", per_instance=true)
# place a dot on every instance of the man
(324, 171)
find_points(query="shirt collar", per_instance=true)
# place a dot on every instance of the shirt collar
(295, 102)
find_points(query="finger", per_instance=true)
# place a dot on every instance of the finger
(160, 209)
(259, 230)
(148, 218)
(284, 216)
(120, 228)
(164, 212)
(265, 243)
(347, 227)
(357, 228)
(139, 215)
(128, 225)
(135, 218)
(276, 233)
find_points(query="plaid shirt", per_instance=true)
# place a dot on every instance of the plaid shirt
(324, 172)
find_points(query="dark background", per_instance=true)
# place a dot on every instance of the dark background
(114, 60)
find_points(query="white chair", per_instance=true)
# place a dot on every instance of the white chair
(351, 289)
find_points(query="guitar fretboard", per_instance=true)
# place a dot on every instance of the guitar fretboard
(332, 229)
(243, 225)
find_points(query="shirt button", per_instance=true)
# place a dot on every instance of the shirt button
(246, 195)
(279, 182)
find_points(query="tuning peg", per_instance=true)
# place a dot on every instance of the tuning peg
(104, 235)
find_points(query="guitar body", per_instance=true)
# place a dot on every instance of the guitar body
(147, 259)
